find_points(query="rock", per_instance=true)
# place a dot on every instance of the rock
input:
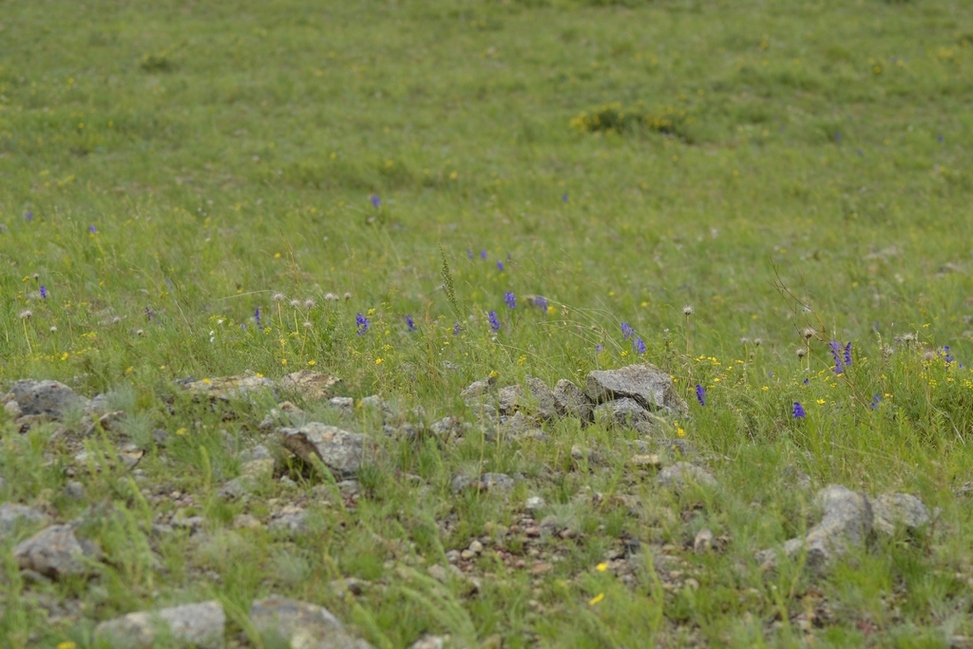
(648, 385)
(571, 401)
(313, 386)
(108, 422)
(460, 482)
(475, 547)
(230, 387)
(258, 452)
(13, 516)
(448, 427)
(703, 541)
(12, 408)
(508, 398)
(846, 522)
(200, 625)
(344, 405)
(498, 481)
(285, 414)
(341, 588)
(56, 553)
(893, 511)
(622, 412)
(646, 461)
(544, 405)
(476, 389)
(534, 502)
(430, 642)
(291, 519)
(301, 625)
(245, 521)
(681, 473)
(46, 398)
(341, 451)
(75, 490)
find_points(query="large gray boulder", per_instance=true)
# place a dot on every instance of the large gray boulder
(55, 552)
(647, 384)
(46, 398)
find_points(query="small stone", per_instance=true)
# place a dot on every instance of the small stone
(498, 481)
(160, 436)
(345, 405)
(200, 625)
(680, 474)
(452, 556)
(245, 521)
(476, 547)
(534, 503)
(302, 625)
(646, 461)
(703, 541)
(460, 482)
(899, 510)
(438, 572)
(12, 408)
(508, 398)
(430, 642)
(75, 490)
(55, 552)
(466, 555)
(293, 521)
(258, 452)
(341, 451)
(341, 588)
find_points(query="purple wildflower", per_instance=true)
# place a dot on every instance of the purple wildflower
(599, 348)
(627, 331)
(499, 265)
(376, 202)
(836, 350)
(256, 317)
(638, 345)
(410, 322)
(564, 198)
(540, 303)
(799, 411)
(510, 300)
(949, 358)
(875, 401)
(848, 354)
(701, 394)
(362, 323)
(456, 329)
(43, 291)
(483, 254)
(92, 229)
(469, 253)
(494, 323)
(29, 215)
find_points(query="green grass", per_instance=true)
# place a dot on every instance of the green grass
(816, 174)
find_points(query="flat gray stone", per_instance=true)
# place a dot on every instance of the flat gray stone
(313, 386)
(341, 451)
(648, 385)
(301, 625)
(571, 401)
(200, 625)
(899, 511)
(508, 399)
(46, 398)
(499, 481)
(231, 387)
(477, 389)
(681, 474)
(55, 552)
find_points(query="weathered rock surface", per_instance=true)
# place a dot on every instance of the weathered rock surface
(231, 387)
(898, 510)
(682, 474)
(622, 412)
(571, 401)
(846, 522)
(13, 515)
(339, 450)
(56, 553)
(46, 398)
(648, 385)
(313, 386)
(200, 625)
(302, 625)
(542, 403)
(477, 389)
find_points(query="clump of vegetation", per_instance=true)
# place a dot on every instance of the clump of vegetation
(613, 117)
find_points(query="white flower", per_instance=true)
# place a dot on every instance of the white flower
(688, 310)
(26, 314)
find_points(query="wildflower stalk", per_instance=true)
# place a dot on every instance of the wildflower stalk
(688, 311)
(30, 348)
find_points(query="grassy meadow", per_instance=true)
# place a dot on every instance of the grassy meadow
(204, 189)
